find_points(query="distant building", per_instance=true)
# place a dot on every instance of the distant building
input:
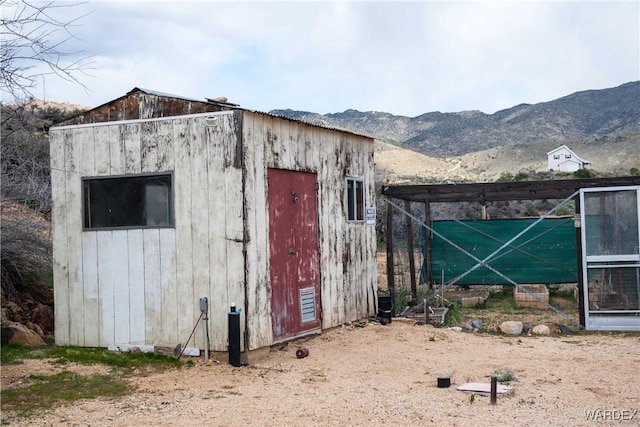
(562, 159)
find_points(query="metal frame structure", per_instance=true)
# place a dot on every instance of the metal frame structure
(488, 192)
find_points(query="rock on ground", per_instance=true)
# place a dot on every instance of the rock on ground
(541, 330)
(511, 327)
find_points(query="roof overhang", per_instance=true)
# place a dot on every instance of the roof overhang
(502, 191)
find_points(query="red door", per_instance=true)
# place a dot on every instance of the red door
(293, 242)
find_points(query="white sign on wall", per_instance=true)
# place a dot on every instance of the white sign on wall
(371, 216)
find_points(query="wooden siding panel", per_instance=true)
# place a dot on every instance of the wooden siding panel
(371, 243)
(338, 232)
(120, 274)
(199, 223)
(86, 145)
(268, 138)
(256, 268)
(169, 284)
(102, 162)
(59, 230)
(149, 140)
(116, 151)
(327, 291)
(166, 149)
(217, 201)
(74, 243)
(131, 155)
(234, 221)
(137, 322)
(226, 259)
(299, 149)
(234, 232)
(89, 249)
(350, 266)
(106, 266)
(152, 286)
(184, 191)
(91, 291)
(286, 160)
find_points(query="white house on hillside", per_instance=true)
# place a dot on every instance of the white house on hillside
(562, 159)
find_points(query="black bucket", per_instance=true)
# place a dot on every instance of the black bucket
(385, 307)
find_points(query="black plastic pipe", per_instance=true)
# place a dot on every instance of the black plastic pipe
(234, 337)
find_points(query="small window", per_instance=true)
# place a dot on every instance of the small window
(355, 199)
(567, 156)
(130, 201)
(556, 156)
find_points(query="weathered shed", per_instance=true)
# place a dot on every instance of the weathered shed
(160, 200)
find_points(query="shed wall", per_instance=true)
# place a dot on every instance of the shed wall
(141, 286)
(347, 250)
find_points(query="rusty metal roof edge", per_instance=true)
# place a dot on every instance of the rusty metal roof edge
(225, 104)
(236, 106)
(349, 131)
(163, 94)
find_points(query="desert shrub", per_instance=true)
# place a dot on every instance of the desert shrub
(25, 253)
(583, 173)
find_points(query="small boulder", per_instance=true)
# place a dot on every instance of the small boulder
(14, 312)
(541, 330)
(43, 315)
(511, 327)
(35, 328)
(168, 349)
(16, 333)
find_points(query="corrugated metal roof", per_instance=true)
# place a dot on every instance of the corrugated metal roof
(236, 106)
(279, 116)
(231, 106)
(163, 94)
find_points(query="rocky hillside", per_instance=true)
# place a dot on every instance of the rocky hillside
(583, 115)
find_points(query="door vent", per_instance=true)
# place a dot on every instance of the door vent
(308, 304)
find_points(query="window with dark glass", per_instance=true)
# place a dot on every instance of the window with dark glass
(129, 201)
(355, 199)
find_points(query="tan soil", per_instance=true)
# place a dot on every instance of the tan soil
(382, 375)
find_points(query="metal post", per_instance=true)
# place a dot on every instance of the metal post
(206, 338)
(204, 308)
(391, 284)
(578, 225)
(494, 390)
(427, 242)
(410, 250)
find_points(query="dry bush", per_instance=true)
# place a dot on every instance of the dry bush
(25, 251)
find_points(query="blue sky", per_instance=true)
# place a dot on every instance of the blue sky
(406, 58)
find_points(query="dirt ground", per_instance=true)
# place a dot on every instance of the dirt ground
(381, 375)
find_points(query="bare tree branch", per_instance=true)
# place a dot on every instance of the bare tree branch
(33, 45)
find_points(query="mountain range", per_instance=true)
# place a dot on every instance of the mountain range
(591, 120)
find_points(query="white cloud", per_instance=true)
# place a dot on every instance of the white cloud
(401, 57)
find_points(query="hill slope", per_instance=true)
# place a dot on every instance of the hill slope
(587, 114)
